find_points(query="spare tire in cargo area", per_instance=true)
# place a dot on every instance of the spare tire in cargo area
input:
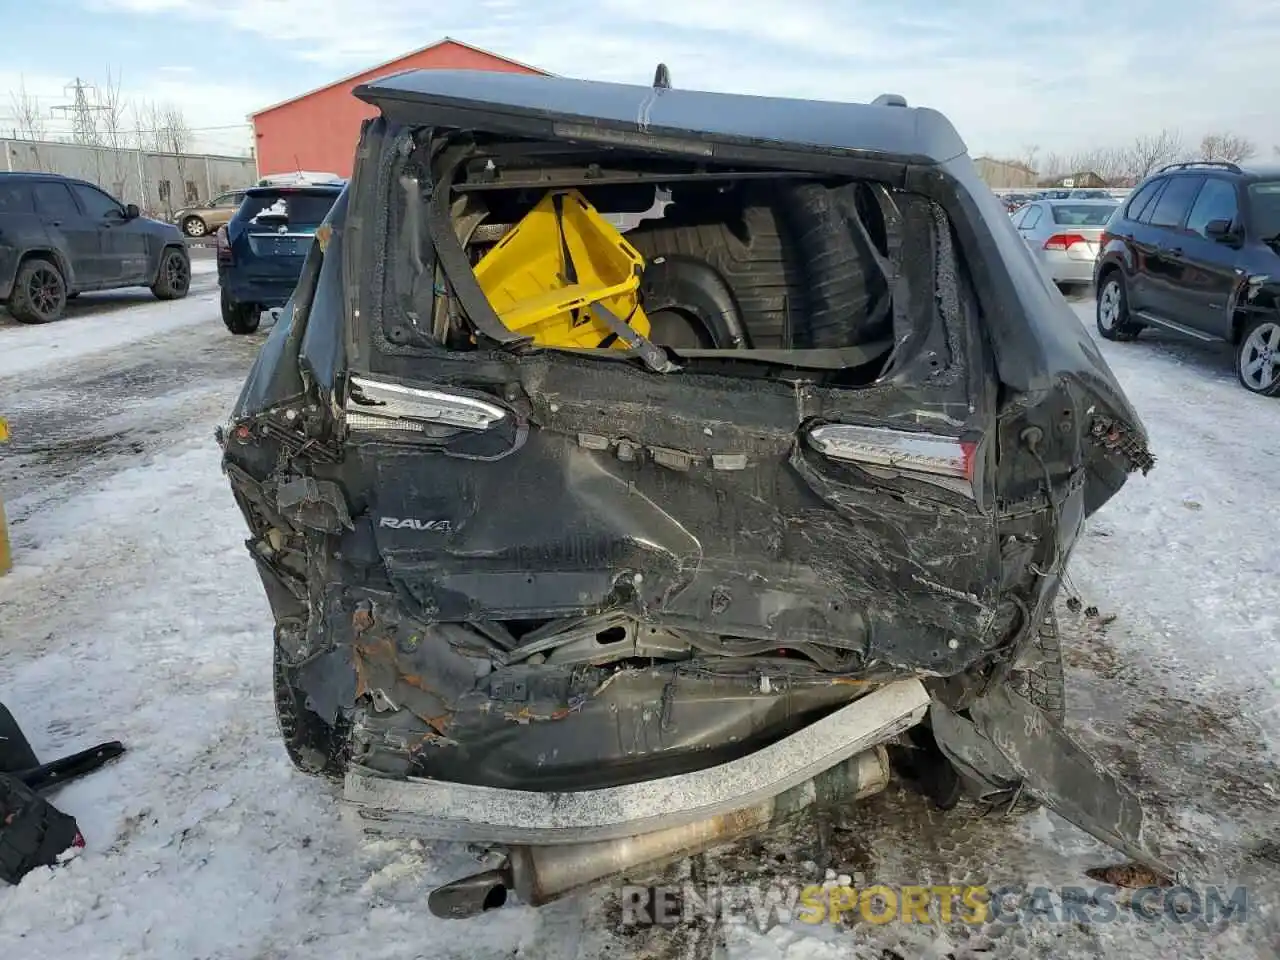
(787, 269)
(847, 294)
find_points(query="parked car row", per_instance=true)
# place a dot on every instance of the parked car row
(206, 218)
(60, 237)
(1015, 200)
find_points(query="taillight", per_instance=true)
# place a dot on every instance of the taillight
(1103, 240)
(223, 246)
(1063, 241)
(929, 457)
(384, 405)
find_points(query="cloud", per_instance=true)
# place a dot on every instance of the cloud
(1007, 77)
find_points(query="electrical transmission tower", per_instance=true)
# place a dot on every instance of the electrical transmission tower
(84, 121)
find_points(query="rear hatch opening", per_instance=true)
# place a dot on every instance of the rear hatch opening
(732, 266)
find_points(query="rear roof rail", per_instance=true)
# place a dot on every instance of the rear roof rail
(1187, 164)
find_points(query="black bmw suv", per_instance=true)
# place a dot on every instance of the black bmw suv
(1197, 250)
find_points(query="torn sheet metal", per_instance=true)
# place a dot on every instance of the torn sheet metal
(1007, 744)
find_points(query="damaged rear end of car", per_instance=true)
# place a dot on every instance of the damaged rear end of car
(632, 466)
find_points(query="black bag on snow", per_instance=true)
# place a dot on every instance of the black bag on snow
(33, 832)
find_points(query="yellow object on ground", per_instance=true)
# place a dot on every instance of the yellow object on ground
(6, 558)
(562, 257)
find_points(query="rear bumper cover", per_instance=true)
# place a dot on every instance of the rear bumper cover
(1002, 744)
(268, 293)
(451, 811)
(1066, 269)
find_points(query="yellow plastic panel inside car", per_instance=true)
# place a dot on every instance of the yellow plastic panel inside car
(542, 277)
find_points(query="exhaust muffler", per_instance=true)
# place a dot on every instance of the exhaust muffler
(543, 873)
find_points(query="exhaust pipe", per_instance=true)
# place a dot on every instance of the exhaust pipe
(541, 874)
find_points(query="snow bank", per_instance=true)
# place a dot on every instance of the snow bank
(1189, 556)
(138, 616)
(100, 322)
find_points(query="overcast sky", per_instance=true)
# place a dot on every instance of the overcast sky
(1007, 78)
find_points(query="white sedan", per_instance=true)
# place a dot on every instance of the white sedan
(1065, 235)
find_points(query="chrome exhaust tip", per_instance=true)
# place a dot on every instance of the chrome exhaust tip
(471, 896)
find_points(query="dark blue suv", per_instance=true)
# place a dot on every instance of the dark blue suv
(261, 251)
(1196, 249)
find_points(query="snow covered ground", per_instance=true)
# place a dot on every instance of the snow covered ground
(134, 613)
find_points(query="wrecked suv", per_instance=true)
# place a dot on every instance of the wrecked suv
(632, 467)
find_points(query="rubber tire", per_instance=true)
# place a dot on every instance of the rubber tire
(190, 222)
(313, 746)
(163, 288)
(20, 306)
(1045, 684)
(842, 277)
(240, 318)
(1274, 389)
(762, 273)
(1124, 329)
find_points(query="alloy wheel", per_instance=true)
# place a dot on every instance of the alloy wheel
(177, 273)
(1260, 357)
(1109, 305)
(45, 292)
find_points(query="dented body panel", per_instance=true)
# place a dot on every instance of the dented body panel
(526, 569)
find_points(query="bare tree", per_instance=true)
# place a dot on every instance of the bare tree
(1152, 151)
(1030, 154)
(177, 140)
(1107, 162)
(147, 124)
(163, 128)
(1054, 167)
(1227, 146)
(26, 112)
(176, 132)
(112, 107)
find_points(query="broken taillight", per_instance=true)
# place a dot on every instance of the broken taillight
(1063, 241)
(929, 457)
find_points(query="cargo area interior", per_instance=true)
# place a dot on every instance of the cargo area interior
(696, 257)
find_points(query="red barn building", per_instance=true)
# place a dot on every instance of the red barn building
(318, 130)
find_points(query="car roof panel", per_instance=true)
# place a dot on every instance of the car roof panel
(513, 103)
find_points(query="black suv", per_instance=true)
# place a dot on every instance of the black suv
(60, 237)
(607, 476)
(1197, 250)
